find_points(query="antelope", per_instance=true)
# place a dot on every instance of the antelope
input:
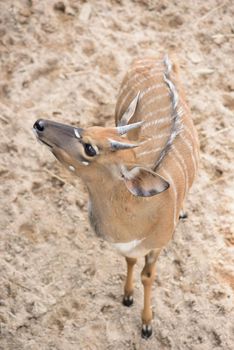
(137, 173)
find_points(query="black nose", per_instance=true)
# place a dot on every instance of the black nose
(39, 125)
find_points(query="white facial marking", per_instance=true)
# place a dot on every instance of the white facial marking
(71, 168)
(96, 149)
(76, 132)
(172, 184)
(129, 175)
(85, 163)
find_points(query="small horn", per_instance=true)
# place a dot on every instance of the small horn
(121, 130)
(126, 117)
(116, 145)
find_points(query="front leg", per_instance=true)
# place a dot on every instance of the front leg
(147, 278)
(128, 288)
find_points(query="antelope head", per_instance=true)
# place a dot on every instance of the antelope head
(99, 150)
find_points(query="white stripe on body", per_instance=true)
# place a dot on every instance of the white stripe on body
(130, 87)
(135, 77)
(157, 111)
(172, 185)
(156, 122)
(135, 87)
(138, 81)
(176, 161)
(141, 154)
(147, 90)
(190, 147)
(153, 100)
(155, 137)
(186, 128)
(184, 166)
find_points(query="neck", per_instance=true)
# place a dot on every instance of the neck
(100, 178)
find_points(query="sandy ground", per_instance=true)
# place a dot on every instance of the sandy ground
(60, 286)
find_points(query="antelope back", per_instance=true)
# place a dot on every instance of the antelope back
(168, 140)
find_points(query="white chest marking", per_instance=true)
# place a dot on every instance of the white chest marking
(130, 249)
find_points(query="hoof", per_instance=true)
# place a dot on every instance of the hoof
(128, 300)
(183, 216)
(146, 331)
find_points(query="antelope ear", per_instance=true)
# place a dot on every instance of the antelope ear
(143, 182)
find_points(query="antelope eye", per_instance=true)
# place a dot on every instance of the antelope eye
(89, 150)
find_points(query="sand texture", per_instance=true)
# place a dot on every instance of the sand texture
(60, 286)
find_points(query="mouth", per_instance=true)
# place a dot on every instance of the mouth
(45, 143)
(41, 141)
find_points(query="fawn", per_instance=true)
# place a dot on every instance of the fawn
(137, 173)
